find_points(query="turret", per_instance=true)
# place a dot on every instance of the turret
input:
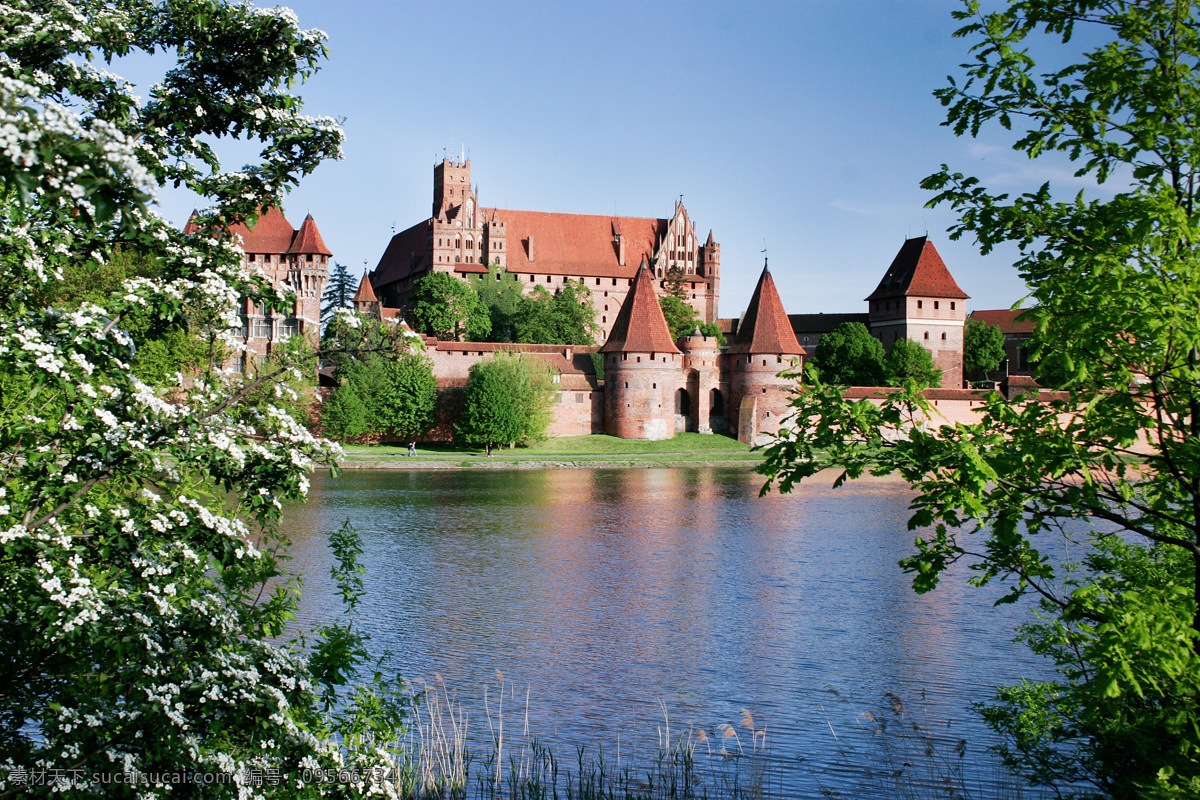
(764, 347)
(701, 367)
(642, 367)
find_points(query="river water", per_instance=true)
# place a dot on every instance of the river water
(619, 601)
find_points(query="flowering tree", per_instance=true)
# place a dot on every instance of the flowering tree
(141, 653)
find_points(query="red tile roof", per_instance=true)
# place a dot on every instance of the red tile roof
(578, 244)
(574, 245)
(765, 327)
(1006, 318)
(641, 326)
(366, 292)
(918, 270)
(271, 234)
(308, 239)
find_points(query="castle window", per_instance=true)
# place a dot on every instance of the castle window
(952, 306)
(457, 259)
(252, 257)
(919, 302)
(654, 386)
(926, 334)
(597, 281)
(764, 390)
(639, 359)
(547, 279)
(943, 337)
(310, 256)
(614, 280)
(935, 303)
(497, 275)
(604, 320)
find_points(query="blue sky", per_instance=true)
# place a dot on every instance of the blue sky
(808, 124)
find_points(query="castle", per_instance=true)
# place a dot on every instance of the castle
(652, 385)
(545, 249)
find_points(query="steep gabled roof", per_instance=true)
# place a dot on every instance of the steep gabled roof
(308, 239)
(641, 326)
(919, 271)
(765, 326)
(366, 292)
(271, 234)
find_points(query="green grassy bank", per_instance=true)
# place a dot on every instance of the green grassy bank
(599, 449)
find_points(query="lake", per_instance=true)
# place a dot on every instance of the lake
(623, 600)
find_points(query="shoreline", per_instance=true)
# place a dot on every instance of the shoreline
(659, 461)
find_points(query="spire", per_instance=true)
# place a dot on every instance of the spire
(191, 226)
(710, 241)
(918, 270)
(641, 326)
(366, 292)
(308, 239)
(765, 327)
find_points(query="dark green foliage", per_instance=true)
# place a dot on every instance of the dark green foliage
(673, 283)
(507, 400)
(682, 320)
(344, 415)
(849, 356)
(909, 360)
(983, 347)
(397, 395)
(566, 317)
(339, 292)
(445, 307)
(502, 293)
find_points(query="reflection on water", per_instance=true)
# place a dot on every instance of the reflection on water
(610, 592)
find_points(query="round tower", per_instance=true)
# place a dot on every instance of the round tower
(643, 369)
(765, 346)
(702, 378)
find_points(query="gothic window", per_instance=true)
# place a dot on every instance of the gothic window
(927, 334)
(943, 337)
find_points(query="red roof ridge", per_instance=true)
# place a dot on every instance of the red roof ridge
(640, 326)
(765, 327)
(918, 270)
(308, 239)
(272, 233)
(366, 292)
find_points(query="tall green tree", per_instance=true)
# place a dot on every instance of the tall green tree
(445, 307)
(503, 294)
(145, 612)
(682, 319)
(1116, 278)
(849, 356)
(909, 360)
(339, 291)
(983, 347)
(565, 317)
(507, 400)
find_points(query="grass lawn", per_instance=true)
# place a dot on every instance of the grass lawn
(685, 446)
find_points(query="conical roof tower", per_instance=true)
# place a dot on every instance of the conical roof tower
(765, 327)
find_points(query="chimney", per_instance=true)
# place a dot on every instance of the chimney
(620, 250)
(530, 246)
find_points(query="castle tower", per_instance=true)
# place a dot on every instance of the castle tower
(710, 268)
(765, 345)
(700, 405)
(308, 272)
(642, 367)
(458, 229)
(365, 301)
(296, 260)
(918, 299)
